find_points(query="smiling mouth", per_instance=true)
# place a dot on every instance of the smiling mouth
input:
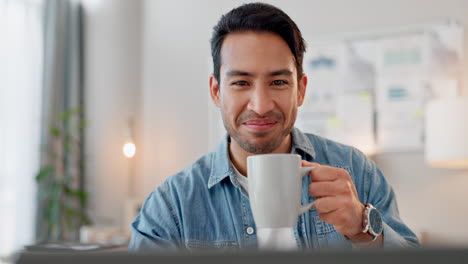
(260, 124)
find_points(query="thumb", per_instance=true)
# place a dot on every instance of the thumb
(305, 163)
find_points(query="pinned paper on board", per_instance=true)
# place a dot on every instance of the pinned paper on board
(355, 113)
(370, 91)
(340, 93)
(322, 65)
(400, 105)
(445, 50)
(403, 55)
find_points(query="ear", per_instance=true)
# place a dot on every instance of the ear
(302, 85)
(214, 90)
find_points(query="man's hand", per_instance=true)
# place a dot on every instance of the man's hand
(337, 201)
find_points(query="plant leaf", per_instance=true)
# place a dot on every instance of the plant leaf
(78, 193)
(68, 146)
(83, 123)
(54, 131)
(44, 173)
(69, 113)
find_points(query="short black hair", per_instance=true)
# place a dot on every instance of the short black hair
(257, 17)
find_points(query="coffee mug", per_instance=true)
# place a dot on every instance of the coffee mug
(274, 187)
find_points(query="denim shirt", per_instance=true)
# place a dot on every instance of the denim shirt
(204, 207)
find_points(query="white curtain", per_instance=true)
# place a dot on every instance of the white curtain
(21, 52)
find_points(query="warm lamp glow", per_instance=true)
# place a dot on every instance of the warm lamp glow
(129, 149)
(452, 164)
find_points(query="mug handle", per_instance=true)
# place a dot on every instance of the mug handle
(304, 208)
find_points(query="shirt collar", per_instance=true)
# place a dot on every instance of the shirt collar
(220, 164)
(221, 167)
(302, 142)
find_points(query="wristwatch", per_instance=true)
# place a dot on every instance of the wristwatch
(372, 221)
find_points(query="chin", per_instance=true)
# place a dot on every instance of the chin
(260, 146)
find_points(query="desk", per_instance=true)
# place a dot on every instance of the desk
(375, 256)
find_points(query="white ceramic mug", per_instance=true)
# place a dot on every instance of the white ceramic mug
(275, 186)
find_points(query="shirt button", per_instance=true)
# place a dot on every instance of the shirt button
(250, 230)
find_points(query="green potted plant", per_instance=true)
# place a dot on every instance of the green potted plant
(62, 199)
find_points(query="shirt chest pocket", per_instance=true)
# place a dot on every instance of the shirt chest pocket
(322, 228)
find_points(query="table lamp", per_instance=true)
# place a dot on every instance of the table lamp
(131, 204)
(129, 148)
(446, 122)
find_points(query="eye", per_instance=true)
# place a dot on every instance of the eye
(279, 82)
(240, 83)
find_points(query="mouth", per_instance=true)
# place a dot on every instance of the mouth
(260, 124)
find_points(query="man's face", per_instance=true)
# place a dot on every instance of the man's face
(258, 91)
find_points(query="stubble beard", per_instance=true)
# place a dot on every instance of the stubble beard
(253, 147)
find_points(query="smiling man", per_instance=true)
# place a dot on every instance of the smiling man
(258, 84)
(258, 93)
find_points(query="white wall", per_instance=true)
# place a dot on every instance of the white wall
(175, 104)
(112, 90)
(175, 86)
(431, 201)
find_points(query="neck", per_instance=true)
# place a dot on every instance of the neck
(239, 156)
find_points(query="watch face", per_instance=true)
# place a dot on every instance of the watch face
(375, 221)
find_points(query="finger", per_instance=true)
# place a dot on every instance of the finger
(332, 188)
(328, 173)
(305, 163)
(323, 173)
(326, 188)
(326, 204)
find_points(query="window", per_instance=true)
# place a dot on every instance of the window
(20, 114)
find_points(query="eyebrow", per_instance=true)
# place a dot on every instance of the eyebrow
(281, 72)
(273, 73)
(238, 73)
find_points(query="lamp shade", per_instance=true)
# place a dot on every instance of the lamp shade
(446, 121)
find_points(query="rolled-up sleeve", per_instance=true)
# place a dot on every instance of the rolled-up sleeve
(392, 239)
(381, 195)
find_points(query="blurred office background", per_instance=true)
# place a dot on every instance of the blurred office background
(144, 78)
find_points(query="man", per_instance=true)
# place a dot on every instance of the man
(258, 84)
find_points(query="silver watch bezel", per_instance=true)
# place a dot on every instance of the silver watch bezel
(367, 227)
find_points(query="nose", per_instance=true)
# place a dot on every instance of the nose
(260, 101)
